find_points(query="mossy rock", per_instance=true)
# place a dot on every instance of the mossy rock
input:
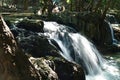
(32, 25)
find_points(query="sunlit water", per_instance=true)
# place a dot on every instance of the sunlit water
(76, 48)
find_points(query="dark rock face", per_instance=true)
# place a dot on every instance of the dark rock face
(37, 46)
(33, 43)
(35, 26)
(68, 71)
(57, 68)
(106, 37)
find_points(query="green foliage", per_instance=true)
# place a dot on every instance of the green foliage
(70, 5)
(68, 1)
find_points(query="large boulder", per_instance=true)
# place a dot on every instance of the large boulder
(56, 68)
(32, 25)
(43, 66)
(14, 65)
(68, 71)
(37, 46)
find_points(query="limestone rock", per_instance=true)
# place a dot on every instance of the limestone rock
(56, 68)
(14, 65)
(42, 65)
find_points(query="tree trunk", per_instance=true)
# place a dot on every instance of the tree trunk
(106, 9)
(101, 24)
(2, 2)
(25, 2)
(71, 5)
(97, 5)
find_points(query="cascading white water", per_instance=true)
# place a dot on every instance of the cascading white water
(114, 41)
(111, 30)
(76, 48)
(112, 22)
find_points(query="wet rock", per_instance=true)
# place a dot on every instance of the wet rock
(56, 68)
(12, 28)
(68, 71)
(104, 34)
(117, 33)
(43, 67)
(37, 46)
(32, 25)
(8, 23)
(115, 46)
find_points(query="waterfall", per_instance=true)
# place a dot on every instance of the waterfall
(112, 22)
(77, 49)
(114, 41)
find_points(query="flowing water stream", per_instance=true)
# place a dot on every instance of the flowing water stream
(77, 49)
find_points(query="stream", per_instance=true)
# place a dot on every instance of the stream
(77, 49)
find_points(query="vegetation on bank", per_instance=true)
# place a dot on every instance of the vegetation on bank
(47, 6)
